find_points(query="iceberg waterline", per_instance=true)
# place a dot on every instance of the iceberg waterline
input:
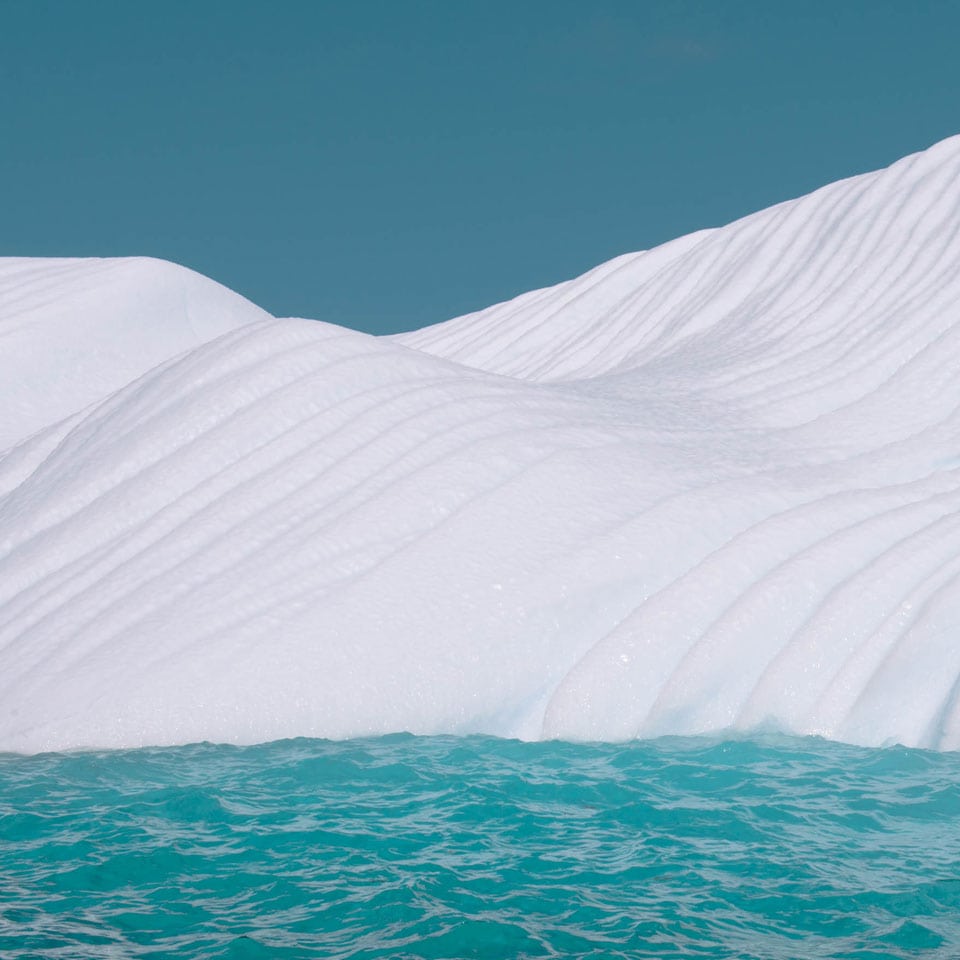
(711, 485)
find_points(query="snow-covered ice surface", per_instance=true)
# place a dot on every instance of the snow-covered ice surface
(712, 485)
(73, 331)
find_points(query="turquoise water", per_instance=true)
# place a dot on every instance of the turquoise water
(445, 847)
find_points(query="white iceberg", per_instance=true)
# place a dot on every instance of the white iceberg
(712, 485)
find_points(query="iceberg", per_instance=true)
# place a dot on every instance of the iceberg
(710, 486)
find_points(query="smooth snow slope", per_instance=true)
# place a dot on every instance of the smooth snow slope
(74, 331)
(712, 485)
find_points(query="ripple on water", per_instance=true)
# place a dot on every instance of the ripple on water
(477, 847)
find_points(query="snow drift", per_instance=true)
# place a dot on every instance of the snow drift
(712, 485)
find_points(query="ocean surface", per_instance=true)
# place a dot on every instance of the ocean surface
(478, 847)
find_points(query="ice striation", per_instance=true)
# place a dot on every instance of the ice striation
(708, 486)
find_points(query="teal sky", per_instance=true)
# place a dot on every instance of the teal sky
(390, 164)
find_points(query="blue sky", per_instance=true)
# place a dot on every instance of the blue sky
(386, 164)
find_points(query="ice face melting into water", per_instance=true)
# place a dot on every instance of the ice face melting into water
(716, 484)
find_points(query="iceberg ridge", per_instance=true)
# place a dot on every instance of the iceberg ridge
(712, 485)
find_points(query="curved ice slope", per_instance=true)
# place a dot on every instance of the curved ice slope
(73, 331)
(713, 485)
(799, 310)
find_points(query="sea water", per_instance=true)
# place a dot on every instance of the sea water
(479, 847)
